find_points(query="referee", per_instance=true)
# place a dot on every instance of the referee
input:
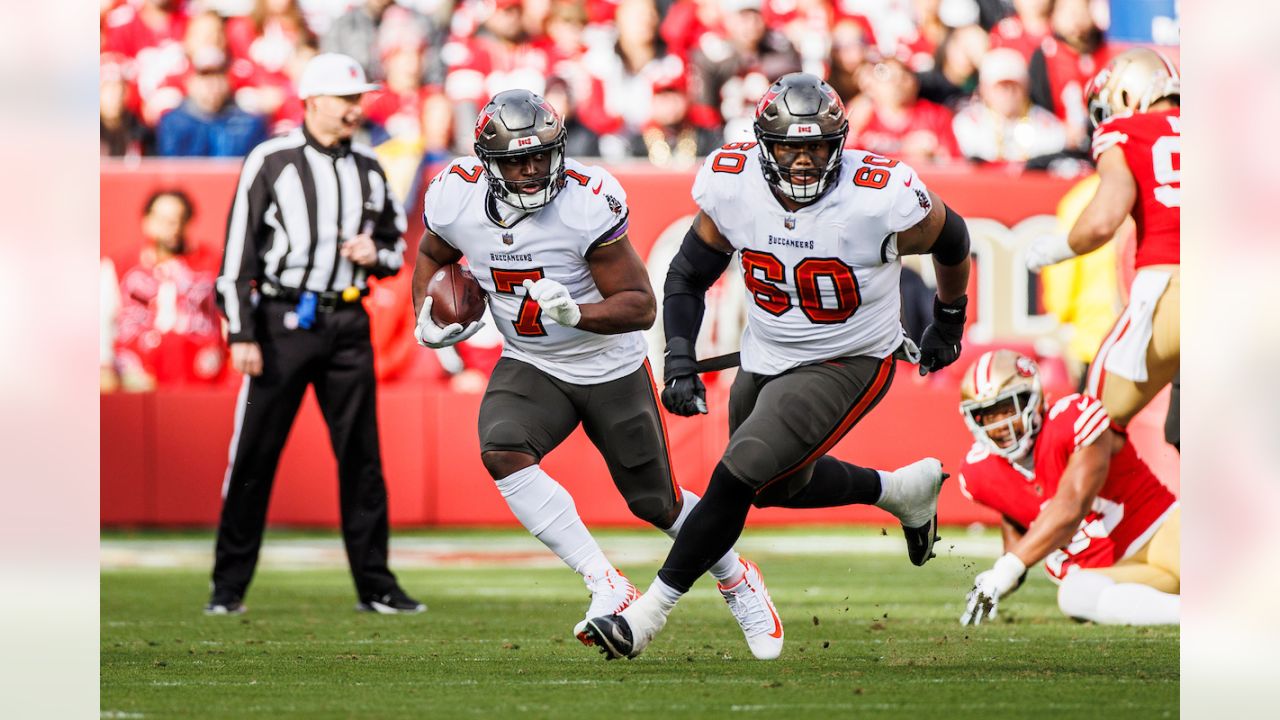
(312, 218)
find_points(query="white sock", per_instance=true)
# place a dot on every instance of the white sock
(660, 599)
(888, 491)
(727, 568)
(1134, 604)
(547, 511)
(1094, 596)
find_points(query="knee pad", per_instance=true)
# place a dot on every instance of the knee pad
(505, 435)
(751, 460)
(657, 511)
(1079, 592)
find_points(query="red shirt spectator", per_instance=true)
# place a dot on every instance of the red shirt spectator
(150, 35)
(130, 30)
(686, 22)
(808, 26)
(268, 35)
(894, 122)
(1063, 64)
(1024, 31)
(168, 330)
(398, 105)
(498, 58)
(204, 43)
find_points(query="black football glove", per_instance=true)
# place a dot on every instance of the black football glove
(684, 393)
(940, 344)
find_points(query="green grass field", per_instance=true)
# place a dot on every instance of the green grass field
(868, 635)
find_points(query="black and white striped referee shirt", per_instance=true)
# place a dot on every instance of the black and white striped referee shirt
(296, 203)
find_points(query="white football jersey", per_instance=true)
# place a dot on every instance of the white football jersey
(821, 281)
(552, 242)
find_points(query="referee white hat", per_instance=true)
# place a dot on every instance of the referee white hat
(333, 74)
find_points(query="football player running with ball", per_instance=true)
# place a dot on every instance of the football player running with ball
(546, 237)
(819, 231)
(1071, 491)
(1135, 103)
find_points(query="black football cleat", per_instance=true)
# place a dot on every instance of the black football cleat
(612, 635)
(395, 602)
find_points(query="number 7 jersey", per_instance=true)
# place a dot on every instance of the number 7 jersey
(821, 281)
(553, 242)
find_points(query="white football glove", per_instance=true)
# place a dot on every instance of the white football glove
(554, 300)
(429, 334)
(990, 586)
(1048, 250)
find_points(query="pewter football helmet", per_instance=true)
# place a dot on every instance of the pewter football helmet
(518, 123)
(800, 108)
(1003, 380)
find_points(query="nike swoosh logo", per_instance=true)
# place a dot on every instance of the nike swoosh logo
(777, 625)
(599, 185)
(909, 180)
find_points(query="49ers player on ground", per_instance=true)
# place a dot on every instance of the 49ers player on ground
(819, 231)
(1134, 101)
(1070, 491)
(546, 237)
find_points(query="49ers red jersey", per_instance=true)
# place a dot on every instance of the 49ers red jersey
(1151, 144)
(1127, 511)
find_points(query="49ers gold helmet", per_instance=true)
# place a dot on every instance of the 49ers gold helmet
(998, 382)
(1131, 83)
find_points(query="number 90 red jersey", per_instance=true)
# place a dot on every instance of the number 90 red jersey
(1151, 144)
(1126, 513)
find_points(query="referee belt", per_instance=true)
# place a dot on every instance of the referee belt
(325, 301)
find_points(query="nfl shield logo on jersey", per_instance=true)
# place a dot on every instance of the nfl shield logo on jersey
(508, 238)
(789, 223)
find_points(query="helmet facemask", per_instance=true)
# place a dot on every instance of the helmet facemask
(512, 192)
(1025, 401)
(800, 108)
(805, 185)
(517, 124)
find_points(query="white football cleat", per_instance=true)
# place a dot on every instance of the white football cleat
(610, 594)
(911, 494)
(750, 603)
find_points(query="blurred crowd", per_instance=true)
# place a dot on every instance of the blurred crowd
(992, 81)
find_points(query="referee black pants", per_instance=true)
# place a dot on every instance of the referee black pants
(336, 358)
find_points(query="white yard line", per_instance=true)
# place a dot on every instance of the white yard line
(516, 551)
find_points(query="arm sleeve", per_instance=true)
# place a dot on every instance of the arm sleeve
(693, 270)
(241, 262)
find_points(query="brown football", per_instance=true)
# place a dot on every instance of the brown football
(456, 296)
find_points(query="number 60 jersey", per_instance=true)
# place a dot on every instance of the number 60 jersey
(821, 281)
(553, 242)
